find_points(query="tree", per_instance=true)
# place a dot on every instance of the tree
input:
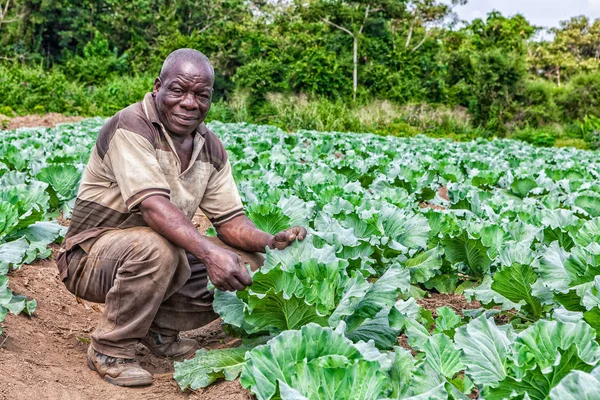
(351, 18)
(575, 49)
(425, 13)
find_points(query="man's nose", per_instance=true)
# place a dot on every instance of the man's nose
(189, 101)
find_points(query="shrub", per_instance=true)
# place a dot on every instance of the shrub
(581, 97)
(544, 137)
(536, 106)
(29, 90)
(590, 130)
(97, 64)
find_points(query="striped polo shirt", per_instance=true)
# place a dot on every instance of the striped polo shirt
(134, 158)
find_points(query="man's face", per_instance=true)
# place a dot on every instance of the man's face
(183, 97)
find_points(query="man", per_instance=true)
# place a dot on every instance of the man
(131, 243)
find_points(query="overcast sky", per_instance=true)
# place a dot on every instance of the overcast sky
(546, 13)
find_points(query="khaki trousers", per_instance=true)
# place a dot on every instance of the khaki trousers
(146, 283)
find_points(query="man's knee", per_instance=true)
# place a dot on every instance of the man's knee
(153, 248)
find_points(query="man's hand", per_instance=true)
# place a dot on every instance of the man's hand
(226, 270)
(285, 238)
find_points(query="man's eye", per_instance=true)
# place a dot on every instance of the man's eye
(177, 91)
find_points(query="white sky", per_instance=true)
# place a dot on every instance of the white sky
(545, 13)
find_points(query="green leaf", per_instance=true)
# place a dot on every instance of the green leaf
(590, 203)
(468, 251)
(410, 231)
(209, 365)
(229, 307)
(12, 253)
(444, 283)
(538, 344)
(283, 359)
(493, 237)
(355, 290)
(319, 380)
(330, 230)
(9, 218)
(268, 217)
(522, 186)
(437, 393)
(578, 385)
(31, 200)
(536, 383)
(297, 210)
(383, 294)
(441, 356)
(514, 283)
(589, 233)
(297, 252)
(425, 265)
(485, 351)
(591, 297)
(447, 320)
(63, 179)
(20, 304)
(376, 329)
(489, 297)
(273, 313)
(3, 312)
(322, 283)
(401, 373)
(552, 270)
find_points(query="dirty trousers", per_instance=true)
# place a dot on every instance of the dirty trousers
(146, 283)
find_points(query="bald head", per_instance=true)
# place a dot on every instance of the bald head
(182, 56)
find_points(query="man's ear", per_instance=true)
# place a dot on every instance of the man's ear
(157, 85)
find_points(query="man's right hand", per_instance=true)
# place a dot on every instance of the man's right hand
(226, 270)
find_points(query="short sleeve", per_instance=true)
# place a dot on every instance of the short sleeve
(133, 161)
(221, 201)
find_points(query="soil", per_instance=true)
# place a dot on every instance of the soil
(30, 121)
(456, 302)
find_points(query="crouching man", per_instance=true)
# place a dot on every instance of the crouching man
(131, 244)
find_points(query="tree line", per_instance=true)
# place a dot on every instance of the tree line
(405, 52)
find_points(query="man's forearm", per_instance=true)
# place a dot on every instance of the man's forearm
(166, 219)
(242, 234)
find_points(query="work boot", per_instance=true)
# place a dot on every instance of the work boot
(169, 346)
(118, 371)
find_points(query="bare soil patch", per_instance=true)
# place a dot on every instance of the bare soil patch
(455, 301)
(30, 121)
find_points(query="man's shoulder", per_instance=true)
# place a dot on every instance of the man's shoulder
(214, 151)
(133, 120)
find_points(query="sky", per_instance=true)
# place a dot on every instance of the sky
(546, 13)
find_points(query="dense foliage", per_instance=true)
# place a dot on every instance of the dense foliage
(95, 57)
(518, 231)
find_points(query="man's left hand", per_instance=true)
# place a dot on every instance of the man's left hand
(285, 238)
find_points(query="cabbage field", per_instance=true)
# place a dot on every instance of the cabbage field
(337, 316)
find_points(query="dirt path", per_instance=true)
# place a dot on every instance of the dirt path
(34, 120)
(43, 357)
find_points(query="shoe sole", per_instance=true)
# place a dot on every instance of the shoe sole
(127, 382)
